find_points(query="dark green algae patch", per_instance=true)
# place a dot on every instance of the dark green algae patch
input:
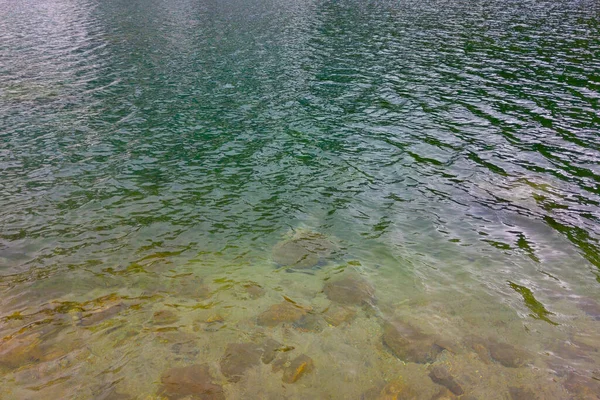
(538, 311)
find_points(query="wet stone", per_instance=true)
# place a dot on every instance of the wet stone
(444, 394)
(336, 315)
(350, 291)
(299, 367)
(21, 351)
(111, 394)
(409, 343)
(187, 349)
(570, 350)
(271, 349)
(397, 390)
(238, 358)
(304, 250)
(213, 323)
(281, 313)
(254, 290)
(521, 393)
(482, 352)
(310, 323)
(34, 348)
(440, 375)
(508, 355)
(590, 307)
(193, 288)
(503, 353)
(164, 317)
(193, 382)
(280, 363)
(371, 393)
(98, 316)
(582, 387)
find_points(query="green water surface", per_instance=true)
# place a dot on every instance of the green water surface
(156, 156)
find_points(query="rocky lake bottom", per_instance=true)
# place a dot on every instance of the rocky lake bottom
(306, 325)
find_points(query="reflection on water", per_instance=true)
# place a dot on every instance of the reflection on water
(299, 199)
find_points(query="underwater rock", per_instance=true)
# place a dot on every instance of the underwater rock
(271, 348)
(582, 387)
(98, 316)
(508, 355)
(394, 390)
(299, 367)
(238, 358)
(482, 352)
(590, 307)
(504, 353)
(193, 288)
(397, 390)
(214, 323)
(570, 350)
(164, 317)
(310, 323)
(35, 347)
(193, 381)
(111, 394)
(304, 250)
(350, 291)
(521, 393)
(440, 375)
(254, 290)
(280, 313)
(188, 349)
(444, 394)
(21, 351)
(280, 363)
(371, 393)
(336, 315)
(409, 343)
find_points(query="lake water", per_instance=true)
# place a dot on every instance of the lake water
(271, 199)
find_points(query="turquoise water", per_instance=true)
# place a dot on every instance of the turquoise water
(389, 188)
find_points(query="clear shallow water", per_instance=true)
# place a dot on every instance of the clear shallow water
(153, 154)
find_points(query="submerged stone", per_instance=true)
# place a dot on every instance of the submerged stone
(111, 393)
(164, 317)
(299, 367)
(21, 351)
(100, 315)
(582, 387)
(193, 288)
(521, 393)
(281, 313)
(30, 348)
(336, 315)
(310, 323)
(304, 250)
(271, 349)
(445, 394)
(590, 307)
(503, 353)
(193, 382)
(508, 355)
(409, 343)
(397, 390)
(279, 363)
(440, 375)
(239, 357)
(254, 290)
(350, 291)
(570, 350)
